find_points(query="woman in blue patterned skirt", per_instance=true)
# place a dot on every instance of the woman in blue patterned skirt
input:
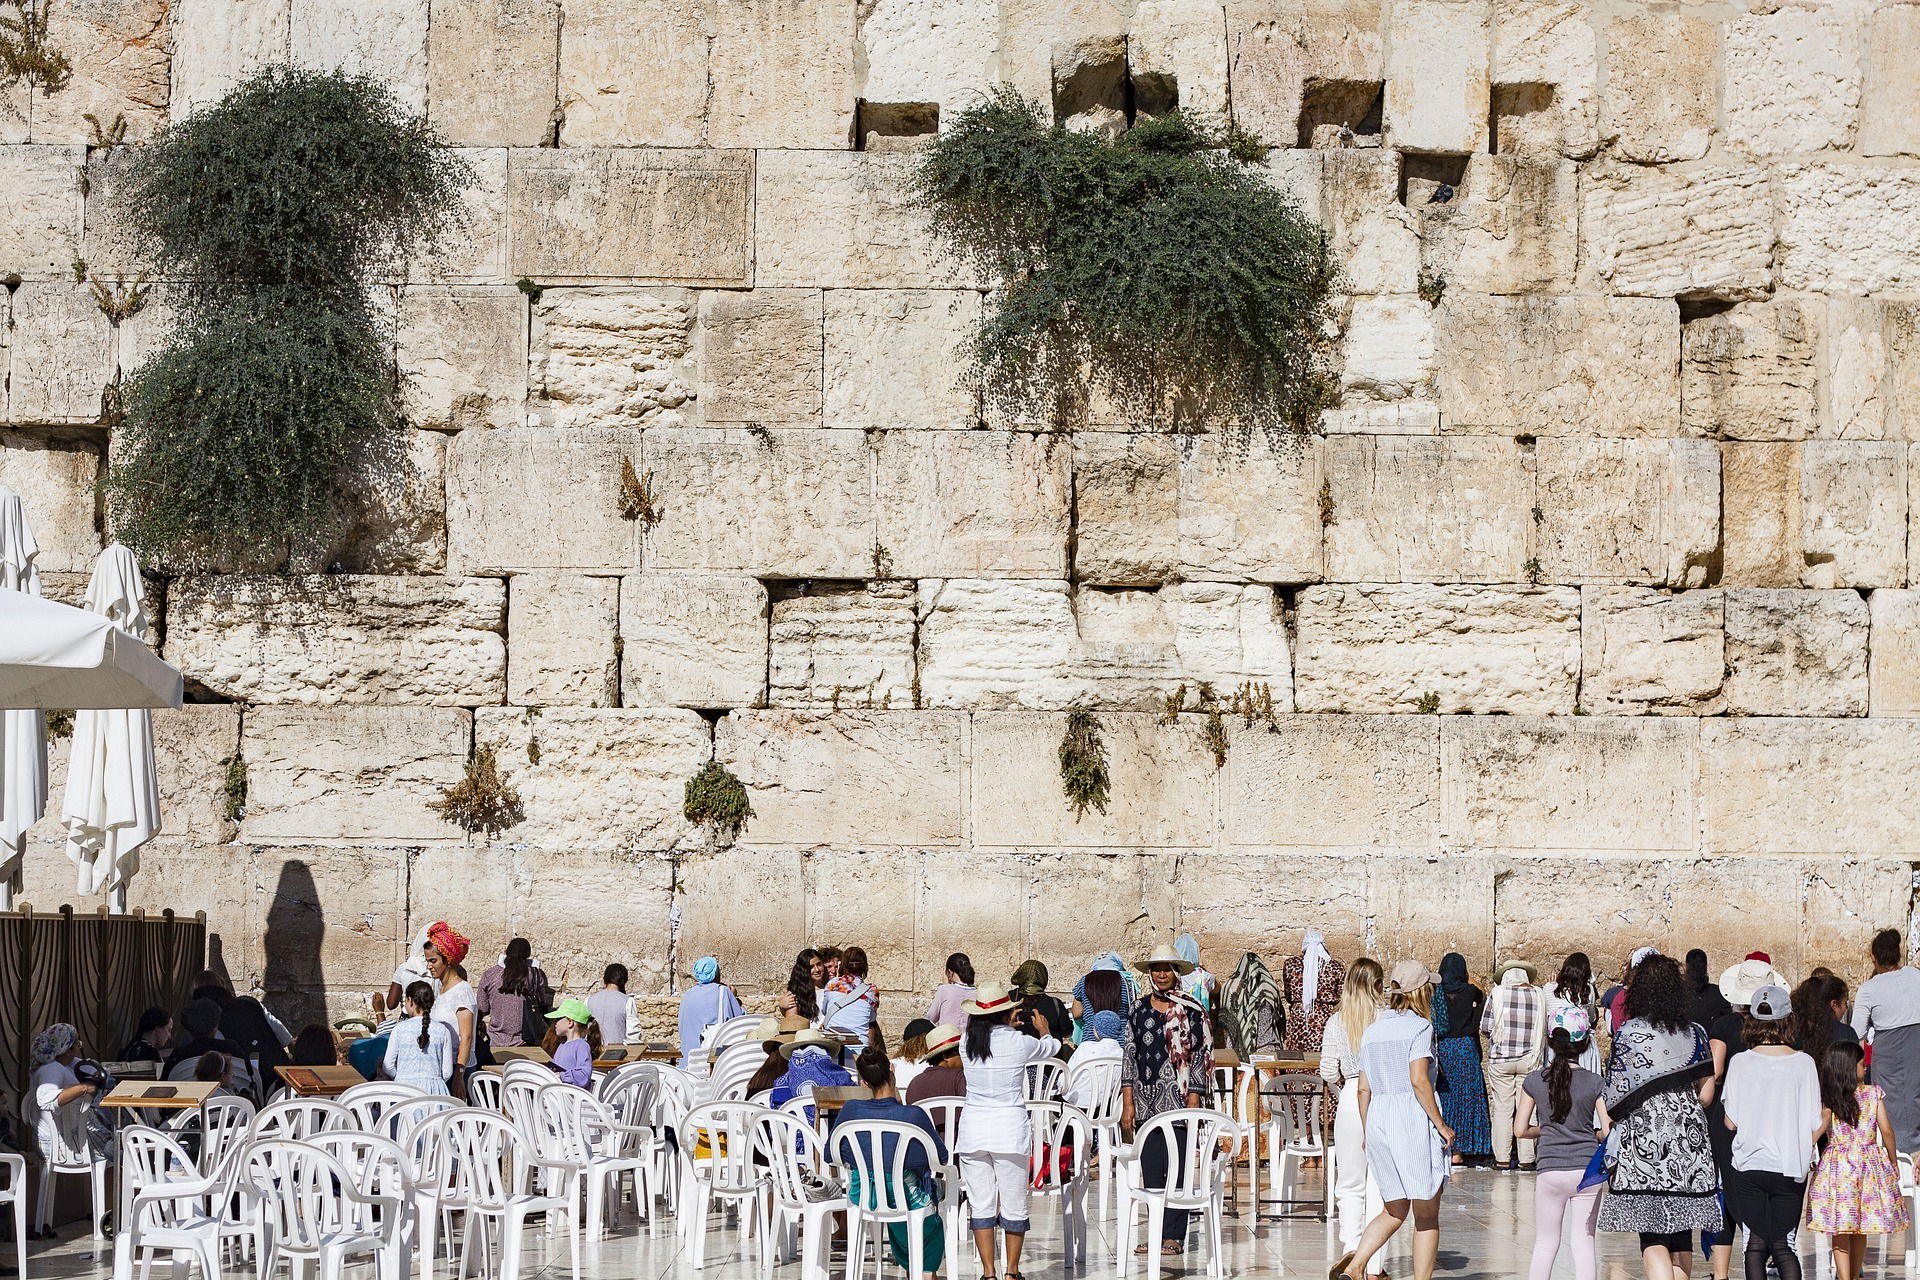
(1456, 1051)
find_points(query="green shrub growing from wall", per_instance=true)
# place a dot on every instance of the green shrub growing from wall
(1162, 270)
(278, 210)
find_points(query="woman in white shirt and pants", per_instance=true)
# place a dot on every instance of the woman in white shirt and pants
(995, 1138)
(1773, 1107)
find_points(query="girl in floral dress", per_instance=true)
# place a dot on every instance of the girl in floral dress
(1855, 1192)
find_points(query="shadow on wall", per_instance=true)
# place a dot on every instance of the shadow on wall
(294, 980)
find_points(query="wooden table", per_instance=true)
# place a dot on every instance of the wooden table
(320, 1082)
(522, 1053)
(830, 1098)
(155, 1095)
(616, 1055)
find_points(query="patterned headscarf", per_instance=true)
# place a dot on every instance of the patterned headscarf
(53, 1042)
(1250, 991)
(448, 941)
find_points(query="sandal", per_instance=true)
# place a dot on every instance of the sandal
(1172, 1248)
(1339, 1269)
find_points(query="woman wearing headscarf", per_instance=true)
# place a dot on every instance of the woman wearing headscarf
(1310, 983)
(1456, 1052)
(456, 1005)
(706, 1004)
(1166, 1064)
(57, 1107)
(1199, 985)
(1252, 1017)
(1106, 962)
(1029, 987)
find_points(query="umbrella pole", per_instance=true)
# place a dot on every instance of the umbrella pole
(117, 899)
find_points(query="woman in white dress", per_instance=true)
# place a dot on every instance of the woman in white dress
(1407, 1138)
(995, 1138)
(1355, 1193)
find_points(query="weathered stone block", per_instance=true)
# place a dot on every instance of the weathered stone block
(1825, 513)
(843, 646)
(219, 43)
(633, 907)
(1427, 509)
(318, 774)
(192, 745)
(1423, 907)
(1890, 115)
(1438, 57)
(999, 643)
(1705, 233)
(965, 894)
(938, 51)
(1331, 781)
(1388, 349)
(473, 100)
(1796, 653)
(851, 778)
(396, 512)
(1084, 903)
(1893, 672)
(213, 877)
(781, 504)
(1475, 649)
(327, 918)
(1509, 228)
(1134, 648)
(541, 498)
(385, 39)
(1843, 901)
(831, 218)
(782, 73)
(1148, 507)
(121, 65)
(611, 357)
(1623, 903)
(693, 640)
(748, 913)
(1643, 650)
(761, 356)
(1284, 48)
(872, 381)
(340, 638)
(1160, 791)
(606, 779)
(1177, 52)
(1748, 373)
(845, 891)
(479, 252)
(636, 83)
(1260, 902)
(971, 504)
(1551, 366)
(562, 628)
(1869, 375)
(1810, 786)
(1548, 42)
(472, 886)
(1662, 98)
(1354, 194)
(462, 355)
(681, 216)
(62, 349)
(1840, 228)
(1636, 511)
(1793, 80)
(54, 478)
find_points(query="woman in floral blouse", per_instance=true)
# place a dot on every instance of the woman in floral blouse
(1167, 1064)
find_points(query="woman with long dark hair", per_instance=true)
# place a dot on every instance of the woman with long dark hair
(1574, 989)
(1456, 1052)
(995, 1135)
(1560, 1106)
(513, 998)
(801, 998)
(954, 992)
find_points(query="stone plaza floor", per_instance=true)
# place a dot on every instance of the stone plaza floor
(1486, 1232)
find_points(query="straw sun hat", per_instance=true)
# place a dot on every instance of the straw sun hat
(988, 998)
(810, 1037)
(1165, 955)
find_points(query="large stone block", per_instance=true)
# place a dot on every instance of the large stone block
(541, 498)
(1388, 351)
(1084, 903)
(1796, 653)
(693, 640)
(62, 349)
(843, 646)
(852, 778)
(761, 356)
(1474, 649)
(328, 919)
(636, 83)
(830, 218)
(219, 43)
(1135, 648)
(322, 774)
(1663, 233)
(1844, 901)
(1810, 786)
(341, 638)
(54, 478)
(1424, 907)
(999, 643)
(1893, 673)
(471, 886)
(1568, 784)
(1161, 781)
(1623, 903)
(1793, 80)
(1824, 513)
(782, 73)
(1643, 650)
(978, 896)
(1748, 373)
(681, 215)
(938, 51)
(1840, 228)
(632, 903)
(1662, 97)
(1890, 114)
(561, 628)
(473, 100)
(1333, 781)
(896, 358)
(1550, 366)
(971, 504)
(121, 68)
(478, 253)
(1260, 902)
(846, 890)
(174, 872)
(1869, 372)
(1552, 43)
(780, 504)
(1439, 55)
(748, 913)
(605, 779)
(1285, 48)
(463, 355)
(1510, 227)
(385, 39)
(1634, 511)
(1427, 509)
(1354, 193)
(192, 746)
(611, 357)
(1177, 52)
(396, 511)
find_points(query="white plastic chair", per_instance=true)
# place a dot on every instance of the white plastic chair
(378, 1167)
(81, 1161)
(401, 1119)
(1093, 1085)
(716, 1154)
(791, 1148)
(1910, 1188)
(945, 1114)
(484, 1089)
(167, 1205)
(297, 1119)
(478, 1163)
(369, 1101)
(1045, 1080)
(632, 1093)
(13, 1191)
(732, 1032)
(577, 1130)
(313, 1211)
(879, 1197)
(1196, 1181)
(1297, 1131)
(732, 1071)
(1062, 1149)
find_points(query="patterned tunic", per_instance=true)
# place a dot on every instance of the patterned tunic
(1664, 1179)
(1146, 1062)
(1305, 1029)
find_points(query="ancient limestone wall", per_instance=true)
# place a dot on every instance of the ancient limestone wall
(1628, 510)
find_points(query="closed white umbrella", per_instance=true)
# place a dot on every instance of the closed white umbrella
(23, 733)
(112, 805)
(53, 655)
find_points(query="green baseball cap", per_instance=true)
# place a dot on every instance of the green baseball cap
(576, 1010)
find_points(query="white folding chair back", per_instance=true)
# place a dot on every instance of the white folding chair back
(576, 1130)
(369, 1101)
(732, 1070)
(1062, 1146)
(630, 1090)
(790, 1149)
(877, 1186)
(1200, 1146)
(1045, 1080)
(732, 1032)
(520, 1097)
(226, 1128)
(716, 1151)
(945, 1113)
(1295, 1100)
(1093, 1085)
(169, 1206)
(313, 1210)
(297, 1119)
(480, 1163)
(483, 1090)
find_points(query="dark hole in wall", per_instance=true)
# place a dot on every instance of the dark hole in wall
(1432, 179)
(1090, 85)
(1692, 309)
(1521, 120)
(1154, 93)
(1341, 113)
(892, 126)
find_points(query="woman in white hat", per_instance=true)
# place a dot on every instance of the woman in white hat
(1166, 1064)
(995, 1134)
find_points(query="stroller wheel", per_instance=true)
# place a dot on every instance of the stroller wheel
(106, 1225)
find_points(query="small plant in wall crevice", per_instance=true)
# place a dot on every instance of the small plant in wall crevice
(1083, 764)
(716, 798)
(482, 802)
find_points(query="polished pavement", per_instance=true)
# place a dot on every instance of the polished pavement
(1486, 1232)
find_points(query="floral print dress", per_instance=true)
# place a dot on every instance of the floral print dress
(1855, 1188)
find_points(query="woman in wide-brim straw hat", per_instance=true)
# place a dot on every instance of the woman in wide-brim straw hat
(1407, 1137)
(1166, 1064)
(995, 1133)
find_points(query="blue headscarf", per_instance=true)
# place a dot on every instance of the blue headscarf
(1187, 949)
(706, 969)
(1105, 1025)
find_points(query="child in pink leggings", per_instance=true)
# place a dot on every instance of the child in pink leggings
(1560, 1106)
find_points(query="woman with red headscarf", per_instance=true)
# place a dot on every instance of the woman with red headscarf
(456, 1004)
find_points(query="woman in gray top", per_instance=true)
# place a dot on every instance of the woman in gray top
(1560, 1106)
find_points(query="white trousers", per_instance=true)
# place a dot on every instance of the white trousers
(1356, 1196)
